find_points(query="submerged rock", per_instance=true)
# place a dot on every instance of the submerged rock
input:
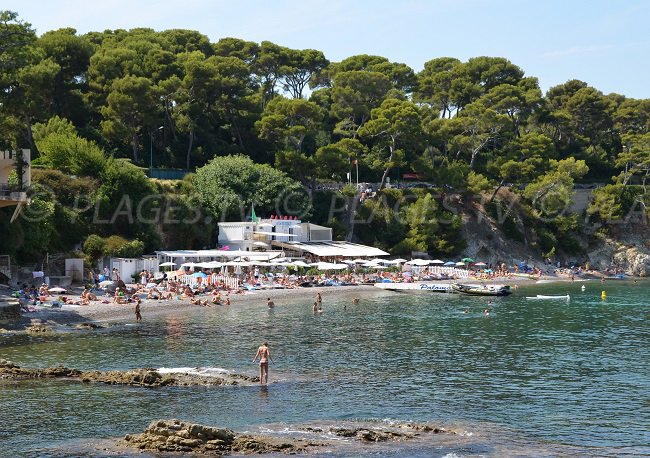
(39, 328)
(88, 325)
(371, 435)
(5, 363)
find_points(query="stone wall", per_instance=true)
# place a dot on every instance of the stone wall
(9, 310)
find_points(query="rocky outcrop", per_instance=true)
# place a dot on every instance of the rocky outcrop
(182, 437)
(9, 370)
(633, 261)
(148, 378)
(631, 257)
(178, 436)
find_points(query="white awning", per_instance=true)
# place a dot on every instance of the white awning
(228, 254)
(332, 249)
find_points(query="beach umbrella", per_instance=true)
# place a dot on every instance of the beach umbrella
(339, 266)
(330, 266)
(460, 263)
(199, 275)
(299, 263)
(58, 289)
(188, 264)
(175, 274)
(450, 263)
(467, 260)
(360, 261)
(400, 260)
(167, 264)
(436, 261)
(480, 264)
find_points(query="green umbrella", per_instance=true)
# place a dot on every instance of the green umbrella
(467, 260)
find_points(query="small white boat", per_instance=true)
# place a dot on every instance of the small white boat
(482, 290)
(566, 297)
(425, 286)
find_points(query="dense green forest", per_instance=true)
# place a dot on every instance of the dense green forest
(255, 121)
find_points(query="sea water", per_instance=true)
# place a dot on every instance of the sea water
(530, 378)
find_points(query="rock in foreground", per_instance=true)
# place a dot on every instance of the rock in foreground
(178, 436)
(181, 437)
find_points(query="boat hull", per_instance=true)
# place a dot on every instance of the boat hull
(428, 287)
(482, 290)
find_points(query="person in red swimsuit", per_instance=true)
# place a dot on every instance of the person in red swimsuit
(264, 354)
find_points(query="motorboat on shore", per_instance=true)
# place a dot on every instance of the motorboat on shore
(425, 286)
(564, 297)
(482, 290)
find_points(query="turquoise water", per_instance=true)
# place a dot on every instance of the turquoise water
(538, 378)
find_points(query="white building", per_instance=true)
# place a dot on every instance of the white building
(293, 237)
(260, 235)
(129, 268)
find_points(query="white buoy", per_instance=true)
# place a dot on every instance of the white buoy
(583, 287)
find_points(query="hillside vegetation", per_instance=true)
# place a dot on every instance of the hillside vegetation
(263, 124)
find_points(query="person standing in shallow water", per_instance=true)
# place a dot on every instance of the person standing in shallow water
(138, 316)
(264, 354)
(319, 300)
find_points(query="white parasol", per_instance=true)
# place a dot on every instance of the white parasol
(58, 289)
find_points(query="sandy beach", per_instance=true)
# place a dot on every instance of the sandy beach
(98, 312)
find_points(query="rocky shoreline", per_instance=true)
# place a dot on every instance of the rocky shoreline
(141, 377)
(177, 436)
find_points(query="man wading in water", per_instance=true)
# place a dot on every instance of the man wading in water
(264, 354)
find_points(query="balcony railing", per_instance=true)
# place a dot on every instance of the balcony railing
(7, 155)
